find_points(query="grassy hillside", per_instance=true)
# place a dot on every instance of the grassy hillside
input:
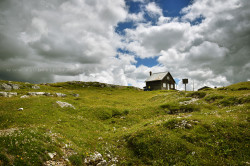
(125, 125)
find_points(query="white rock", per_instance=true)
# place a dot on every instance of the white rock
(52, 155)
(4, 94)
(64, 104)
(15, 86)
(10, 94)
(20, 109)
(35, 87)
(60, 95)
(102, 163)
(5, 86)
(24, 96)
(75, 95)
(36, 93)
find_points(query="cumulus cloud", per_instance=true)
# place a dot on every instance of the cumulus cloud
(210, 52)
(153, 9)
(60, 40)
(57, 37)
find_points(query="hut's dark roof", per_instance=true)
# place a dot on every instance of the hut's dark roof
(156, 76)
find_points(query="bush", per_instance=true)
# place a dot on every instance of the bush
(177, 108)
(197, 94)
(116, 113)
(76, 160)
(171, 124)
(212, 98)
(229, 101)
(184, 99)
(104, 114)
(125, 112)
(244, 88)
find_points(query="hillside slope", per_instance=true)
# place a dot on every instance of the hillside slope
(108, 124)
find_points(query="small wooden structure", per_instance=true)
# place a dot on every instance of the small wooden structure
(160, 81)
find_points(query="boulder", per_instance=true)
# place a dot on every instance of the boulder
(36, 93)
(20, 109)
(10, 94)
(4, 94)
(35, 87)
(64, 104)
(60, 95)
(24, 96)
(95, 159)
(5, 86)
(75, 95)
(15, 86)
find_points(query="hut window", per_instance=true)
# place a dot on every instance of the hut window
(167, 77)
(172, 86)
(164, 85)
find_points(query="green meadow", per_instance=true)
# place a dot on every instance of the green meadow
(125, 125)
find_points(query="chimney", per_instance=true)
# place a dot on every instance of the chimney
(150, 73)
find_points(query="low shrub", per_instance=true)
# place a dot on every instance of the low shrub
(177, 108)
(244, 88)
(116, 113)
(197, 94)
(125, 112)
(76, 160)
(212, 98)
(103, 114)
(230, 101)
(184, 99)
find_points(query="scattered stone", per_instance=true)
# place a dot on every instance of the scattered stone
(24, 96)
(52, 155)
(102, 163)
(5, 87)
(64, 104)
(4, 94)
(100, 138)
(20, 109)
(60, 95)
(55, 163)
(15, 86)
(95, 159)
(36, 93)
(35, 87)
(114, 160)
(75, 95)
(8, 94)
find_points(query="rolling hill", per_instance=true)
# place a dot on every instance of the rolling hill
(90, 123)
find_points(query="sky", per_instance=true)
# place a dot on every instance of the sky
(121, 41)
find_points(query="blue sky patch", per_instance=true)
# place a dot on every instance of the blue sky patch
(150, 62)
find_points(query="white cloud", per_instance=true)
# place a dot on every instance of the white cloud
(46, 41)
(153, 9)
(215, 49)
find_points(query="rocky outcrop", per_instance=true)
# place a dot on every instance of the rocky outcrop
(75, 95)
(24, 96)
(95, 159)
(38, 94)
(9, 86)
(35, 87)
(64, 104)
(8, 94)
(60, 95)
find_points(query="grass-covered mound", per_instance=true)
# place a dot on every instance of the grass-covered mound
(124, 126)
